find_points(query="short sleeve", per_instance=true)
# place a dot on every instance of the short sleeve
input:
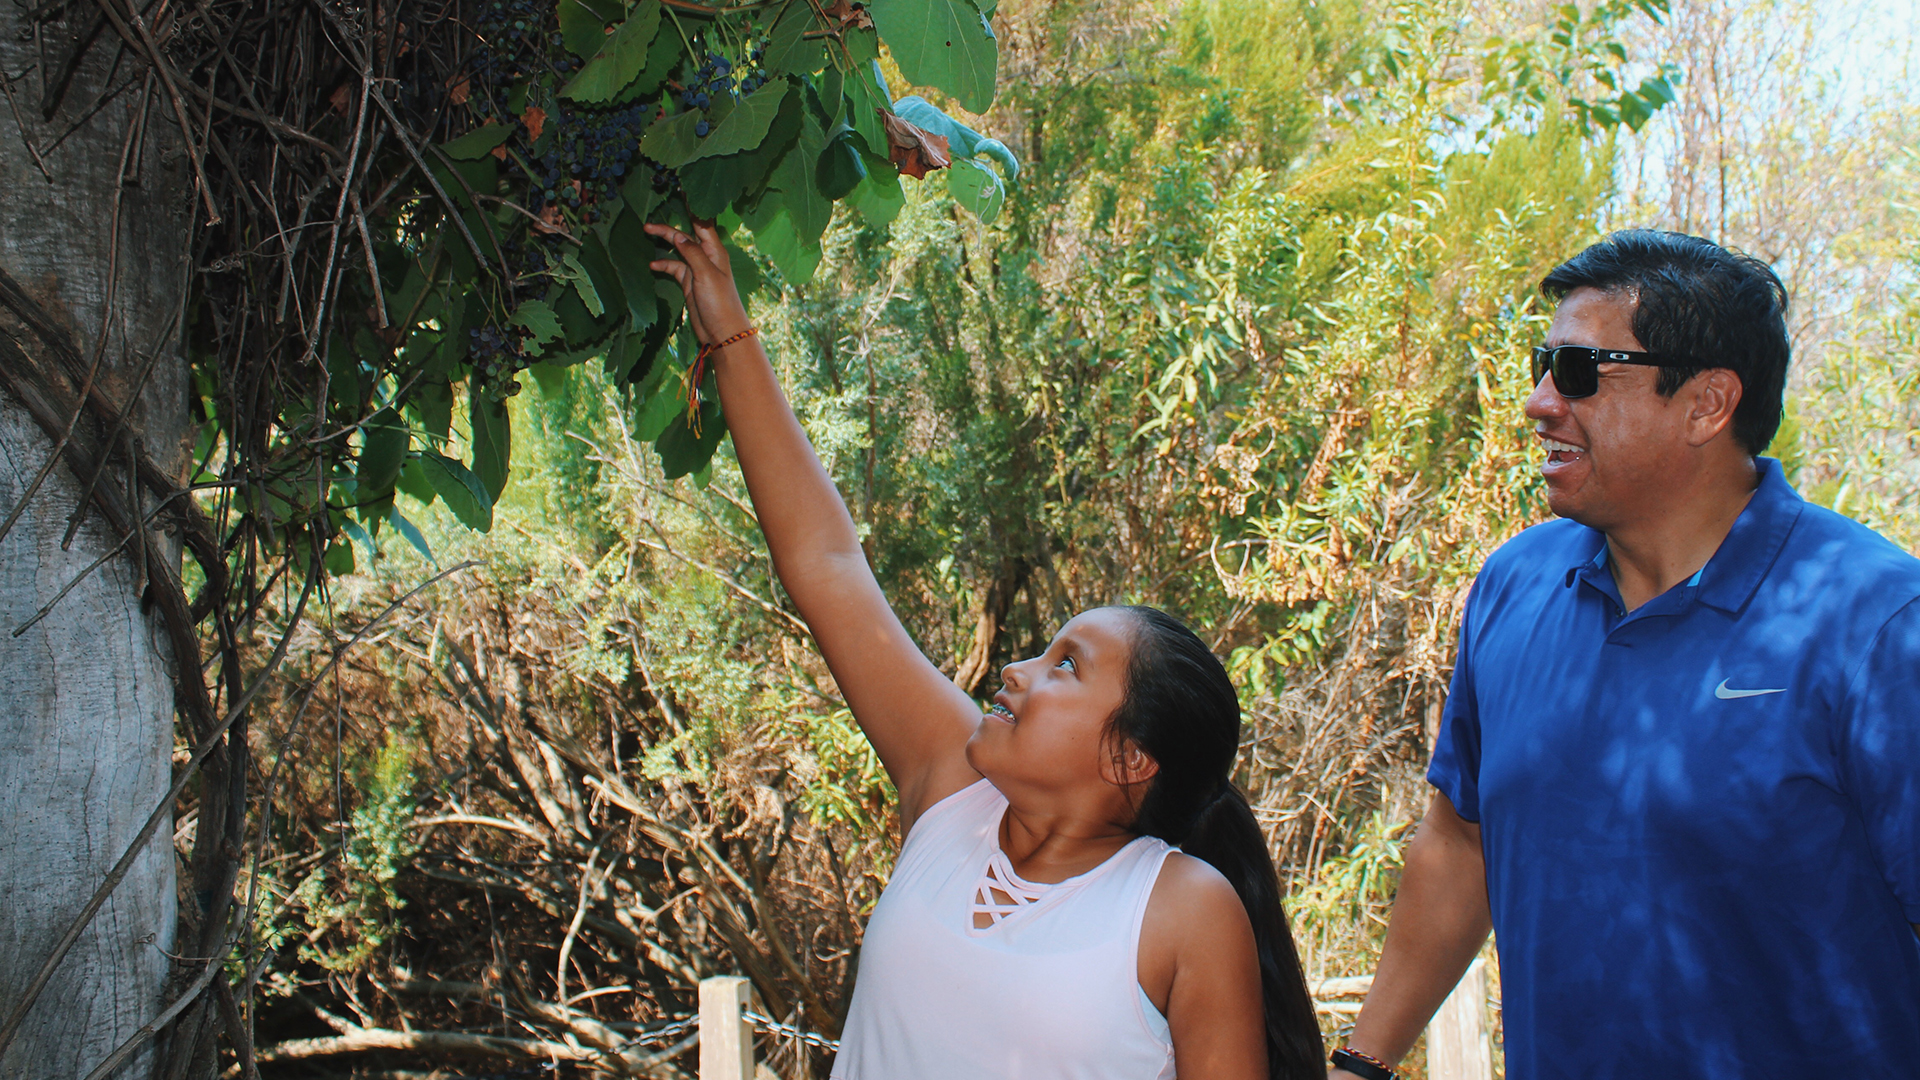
(1879, 746)
(1455, 769)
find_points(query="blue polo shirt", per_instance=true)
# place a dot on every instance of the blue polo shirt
(1701, 819)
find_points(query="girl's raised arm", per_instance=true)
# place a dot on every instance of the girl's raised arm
(917, 719)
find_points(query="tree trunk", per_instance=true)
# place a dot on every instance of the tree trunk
(86, 694)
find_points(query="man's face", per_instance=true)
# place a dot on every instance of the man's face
(1611, 456)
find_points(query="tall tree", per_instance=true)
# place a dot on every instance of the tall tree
(93, 231)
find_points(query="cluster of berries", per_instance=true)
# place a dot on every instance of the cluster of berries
(513, 40)
(595, 147)
(717, 78)
(496, 355)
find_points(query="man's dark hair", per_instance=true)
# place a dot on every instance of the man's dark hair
(1697, 300)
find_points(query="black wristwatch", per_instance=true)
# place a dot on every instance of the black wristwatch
(1360, 1065)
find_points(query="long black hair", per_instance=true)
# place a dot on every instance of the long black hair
(1180, 709)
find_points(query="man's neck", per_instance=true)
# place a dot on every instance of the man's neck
(1663, 549)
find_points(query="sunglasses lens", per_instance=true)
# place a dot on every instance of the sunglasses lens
(1576, 371)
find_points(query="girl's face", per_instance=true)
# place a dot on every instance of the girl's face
(1047, 726)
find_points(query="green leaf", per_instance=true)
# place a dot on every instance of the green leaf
(668, 402)
(572, 272)
(746, 273)
(621, 59)
(339, 560)
(431, 404)
(779, 241)
(839, 169)
(477, 143)
(789, 51)
(465, 495)
(795, 178)
(878, 198)
(977, 188)
(537, 319)
(582, 28)
(381, 455)
(631, 249)
(671, 140)
(492, 441)
(712, 183)
(682, 451)
(413, 482)
(866, 97)
(946, 44)
(412, 532)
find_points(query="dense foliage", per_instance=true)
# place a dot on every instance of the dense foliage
(1245, 342)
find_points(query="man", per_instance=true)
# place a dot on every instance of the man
(1679, 768)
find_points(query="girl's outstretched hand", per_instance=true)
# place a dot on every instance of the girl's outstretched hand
(706, 276)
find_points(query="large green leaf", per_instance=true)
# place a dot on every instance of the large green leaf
(741, 125)
(667, 402)
(583, 24)
(878, 198)
(798, 181)
(778, 240)
(382, 454)
(946, 44)
(431, 404)
(977, 188)
(492, 441)
(478, 142)
(789, 50)
(463, 492)
(621, 59)
(538, 320)
(631, 249)
(681, 450)
(839, 169)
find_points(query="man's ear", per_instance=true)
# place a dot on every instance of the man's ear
(1715, 394)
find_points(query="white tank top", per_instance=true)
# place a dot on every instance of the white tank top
(1049, 991)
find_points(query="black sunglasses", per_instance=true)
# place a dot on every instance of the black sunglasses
(1576, 368)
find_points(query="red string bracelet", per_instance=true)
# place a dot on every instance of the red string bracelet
(699, 369)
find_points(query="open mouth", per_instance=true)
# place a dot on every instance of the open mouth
(1560, 453)
(1000, 710)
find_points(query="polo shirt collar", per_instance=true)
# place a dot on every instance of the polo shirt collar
(1754, 542)
(1743, 558)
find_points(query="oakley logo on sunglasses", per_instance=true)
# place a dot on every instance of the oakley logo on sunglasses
(1576, 368)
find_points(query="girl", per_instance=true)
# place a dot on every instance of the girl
(1082, 893)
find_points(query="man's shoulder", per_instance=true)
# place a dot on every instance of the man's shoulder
(1852, 563)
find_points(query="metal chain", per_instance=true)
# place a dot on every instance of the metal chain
(665, 1033)
(771, 1026)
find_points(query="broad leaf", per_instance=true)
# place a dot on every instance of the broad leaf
(582, 27)
(778, 240)
(621, 59)
(942, 43)
(962, 141)
(478, 142)
(878, 198)
(381, 455)
(681, 450)
(977, 188)
(492, 441)
(631, 249)
(463, 492)
(667, 402)
(673, 141)
(412, 532)
(789, 51)
(538, 320)
(839, 169)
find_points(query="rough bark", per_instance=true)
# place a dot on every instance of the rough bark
(86, 694)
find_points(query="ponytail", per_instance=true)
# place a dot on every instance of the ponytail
(1181, 710)
(1226, 836)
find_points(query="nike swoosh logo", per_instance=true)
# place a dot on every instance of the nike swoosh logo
(1725, 694)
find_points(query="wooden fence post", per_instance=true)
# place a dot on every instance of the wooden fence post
(726, 1040)
(1459, 1046)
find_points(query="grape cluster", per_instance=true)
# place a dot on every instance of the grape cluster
(717, 78)
(496, 355)
(514, 39)
(588, 153)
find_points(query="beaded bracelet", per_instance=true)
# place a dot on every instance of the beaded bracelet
(1361, 1065)
(699, 369)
